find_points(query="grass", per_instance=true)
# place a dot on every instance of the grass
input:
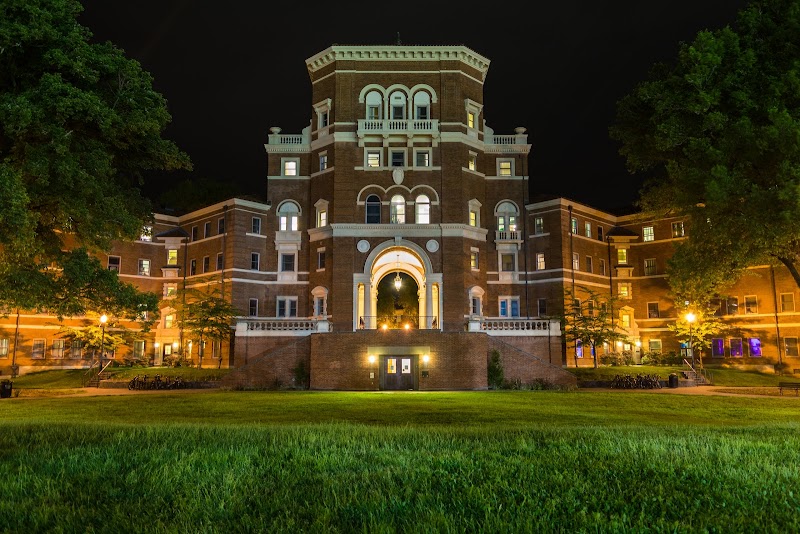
(505, 461)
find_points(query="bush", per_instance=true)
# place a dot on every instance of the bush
(495, 373)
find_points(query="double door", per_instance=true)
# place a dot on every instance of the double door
(399, 372)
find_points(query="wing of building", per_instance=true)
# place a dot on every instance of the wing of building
(396, 247)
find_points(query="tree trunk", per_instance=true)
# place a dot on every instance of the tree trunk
(14, 352)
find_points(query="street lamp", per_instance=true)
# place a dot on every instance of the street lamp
(103, 320)
(690, 318)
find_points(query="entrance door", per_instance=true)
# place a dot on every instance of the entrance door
(399, 372)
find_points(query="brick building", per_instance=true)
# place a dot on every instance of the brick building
(396, 248)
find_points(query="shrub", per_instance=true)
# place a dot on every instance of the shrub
(495, 373)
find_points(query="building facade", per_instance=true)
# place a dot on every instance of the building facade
(396, 247)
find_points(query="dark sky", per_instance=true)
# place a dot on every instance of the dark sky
(231, 70)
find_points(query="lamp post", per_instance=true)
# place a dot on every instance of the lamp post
(690, 318)
(103, 320)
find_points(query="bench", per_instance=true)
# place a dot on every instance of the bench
(789, 385)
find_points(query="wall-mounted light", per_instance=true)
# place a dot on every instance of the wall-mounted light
(174, 344)
(371, 358)
(425, 358)
(406, 326)
(385, 327)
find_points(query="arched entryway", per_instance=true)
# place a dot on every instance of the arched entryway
(379, 303)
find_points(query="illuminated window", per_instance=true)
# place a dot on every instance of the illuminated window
(373, 158)
(172, 256)
(398, 210)
(654, 345)
(288, 217)
(422, 158)
(587, 229)
(473, 218)
(323, 162)
(504, 167)
(169, 321)
(540, 261)
(506, 214)
(736, 347)
(625, 320)
(648, 234)
(144, 267)
(625, 290)
(470, 119)
(677, 229)
(4, 347)
(423, 210)
(538, 225)
(322, 218)
(76, 349)
(147, 234)
(170, 290)
(622, 256)
(573, 225)
(754, 344)
(138, 349)
(114, 263)
(473, 260)
(290, 167)
(576, 261)
(57, 350)
(472, 162)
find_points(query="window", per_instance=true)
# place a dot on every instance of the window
(599, 233)
(507, 262)
(398, 210)
(206, 230)
(504, 167)
(255, 258)
(138, 349)
(677, 229)
(541, 306)
(750, 304)
(287, 263)
(219, 261)
(38, 349)
(323, 162)
(573, 225)
(506, 213)
(398, 105)
(625, 290)
(423, 209)
(654, 345)
(538, 225)
(193, 267)
(221, 226)
(736, 347)
(288, 217)
(652, 310)
(194, 233)
(169, 321)
(755, 346)
(650, 266)
(625, 320)
(319, 306)
(144, 267)
(320, 259)
(470, 119)
(287, 307)
(472, 161)
(475, 306)
(588, 264)
(290, 167)
(576, 261)
(587, 229)
(57, 350)
(509, 306)
(787, 302)
(4, 347)
(422, 158)
(206, 265)
(373, 209)
(578, 348)
(252, 308)
(717, 347)
(647, 233)
(147, 233)
(322, 218)
(473, 218)
(374, 100)
(473, 260)
(603, 267)
(590, 308)
(323, 119)
(790, 343)
(733, 305)
(622, 256)
(170, 290)
(540, 261)
(172, 256)
(373, 158)
(113, 263)
(76, 350)
(255, 226)
(398, 158)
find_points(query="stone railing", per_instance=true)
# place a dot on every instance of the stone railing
(399, 125)
(280, 326)
(514, 326)
(508, 235)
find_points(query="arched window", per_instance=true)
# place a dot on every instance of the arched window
(374, 106)
(398, 211)
(373, 209)
(506, 213)
(398, 106)
(476, 300)
(288, 217)
(422, 105)
(423, 209)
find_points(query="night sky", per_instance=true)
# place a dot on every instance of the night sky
(232, 70)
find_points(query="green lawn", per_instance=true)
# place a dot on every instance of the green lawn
(499, 461)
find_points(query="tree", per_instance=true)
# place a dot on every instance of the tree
(81, 126)
(717, 132)
(698, 334)
(206, 315)
(589, 321)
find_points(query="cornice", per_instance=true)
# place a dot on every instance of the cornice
(398, 53)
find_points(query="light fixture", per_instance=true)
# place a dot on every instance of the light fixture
(385, 326)
(175, 344)
(397, 280)
(407, 326)
(371, 358)
(425, 358)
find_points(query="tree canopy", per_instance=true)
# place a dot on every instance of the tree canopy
(716, 132)
(80, 126)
